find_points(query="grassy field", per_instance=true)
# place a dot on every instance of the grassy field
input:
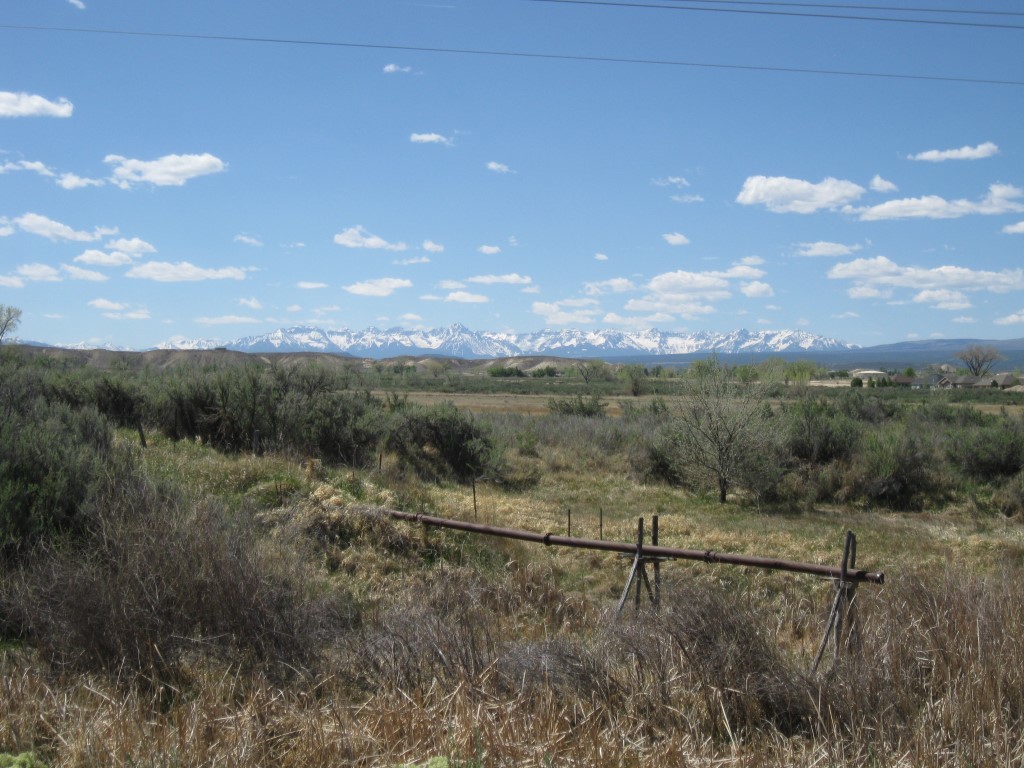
(235, 609)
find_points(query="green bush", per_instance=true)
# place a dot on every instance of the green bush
(590, 407)
(817, 432)
(53, 461)
(442, 442)
(989, 452)
(894, 466)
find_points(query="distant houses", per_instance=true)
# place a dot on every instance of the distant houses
(939, 377)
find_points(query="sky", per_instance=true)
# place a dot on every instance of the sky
(218, 170)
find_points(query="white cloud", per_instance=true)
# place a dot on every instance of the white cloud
(35, 166)
(751, 261)
(6, 229)
(1014, 319)
(37, 224)
(464, 297)
(1001, 198)
(688, 198)
(600, 257)
(1014, 229)
(489, 250)
(248, 240)
(74, 181)
(11, 282)
(358, 237)
(614, 285)
(878, 184)
(383, 286)
(166, 171)
(227, 320)
(103, 259)
(310, 286)
(431, 138)
(39, 273)
(780, 194)
(411, 261)
(980, 152)
(395, 68)
(451, 285)
(77, 273)
(846, 316)
(691, 294)
(411, 317)
(824, 248)
(134, 247)
(499, 167)
(671, 181)
(106, 304)
(293, 308)
(964, 319)
(756, 290)
(31, 105)
(78, 4)
(647, 321)
(675, 238)
(432, 247)
(252, 303)
(509, 279)
(183, 271)
(944, 287)
(567, 312)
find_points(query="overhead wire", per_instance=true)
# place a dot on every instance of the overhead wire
(795, 14)
(510, 54)
(848, 7)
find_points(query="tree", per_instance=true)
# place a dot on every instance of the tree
(979, 358)
(724, 428)
(10, 318)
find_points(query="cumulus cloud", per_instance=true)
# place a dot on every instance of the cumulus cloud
(878, 184)
(98, 258)
(133, 247)
(780, 194)
(688, 198)
(227, 320)
(1001, 198)
(671, 181)
(675, 238)
(944, 287)
(499, 167)
(751, 261)
(432, 247)
(431, 138)
(30, 105)
(309, 286)
(38, 273)
(358, 237)
(248, 240)
(182, 271)
(509, 279)
(451, 285)
(383, 286)
(600, 257)
(392, 69)
(77, 273)
(37, 224)
(106, 304)
(78, 4)
(567, 312)
(166, 171)
(74, 181)
(8, 281)
(464, 297)
(9, 166)
(980, 152)
(1014, 229)
(756, 290)
(643, 322)
(411, 261)
(251, 303)
(6, 228)
(692, 294)
(823, 248)
(489, 250)
(614, 285)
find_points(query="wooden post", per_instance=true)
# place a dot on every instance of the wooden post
(600, 523)
(844, 593)
(568, 522)
(657, 563)
(474, 498)
(639, 557)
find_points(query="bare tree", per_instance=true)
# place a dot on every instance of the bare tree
(10, 317)
(723, 427)
(979, 358)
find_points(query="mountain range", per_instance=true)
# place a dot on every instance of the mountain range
(459, 341)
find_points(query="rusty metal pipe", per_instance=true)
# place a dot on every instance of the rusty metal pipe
(706, 556)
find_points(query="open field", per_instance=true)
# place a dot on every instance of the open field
(208, 604)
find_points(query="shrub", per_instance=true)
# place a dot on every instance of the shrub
(991, 451)
(895, 466)
(52, 463)
(442, 442)
(818, 433)
(590, 407)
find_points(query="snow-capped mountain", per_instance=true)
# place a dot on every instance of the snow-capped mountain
(459, 341)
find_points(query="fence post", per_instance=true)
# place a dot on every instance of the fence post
(657, 563)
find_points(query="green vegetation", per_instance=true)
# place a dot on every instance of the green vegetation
(232, 594)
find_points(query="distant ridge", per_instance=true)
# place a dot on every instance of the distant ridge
(459, 341)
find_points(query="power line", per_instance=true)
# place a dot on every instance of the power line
(511, 54)
(895, 9)
(797, 14)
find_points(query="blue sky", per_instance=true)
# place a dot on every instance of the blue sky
(208, 179)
